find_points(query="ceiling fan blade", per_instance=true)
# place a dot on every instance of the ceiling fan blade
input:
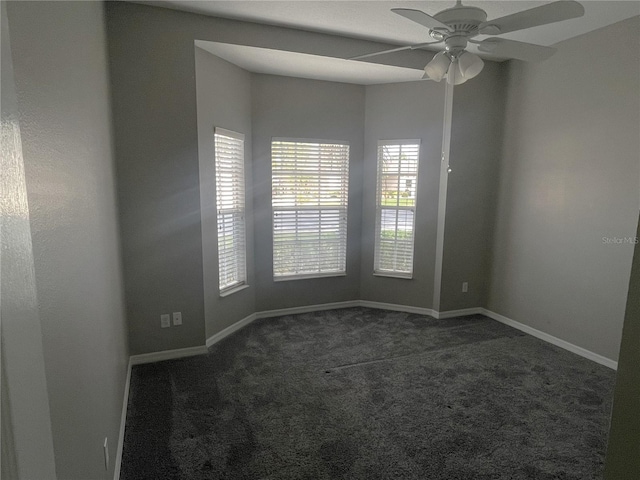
(549, 13)
(393, 50)
(375, 54)
(422, 18)
(427, 77)
(501, 47)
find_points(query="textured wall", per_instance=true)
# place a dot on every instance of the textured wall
(569, 181)
(224, 100)
(60, 62)
(298, 108)
(27, 442)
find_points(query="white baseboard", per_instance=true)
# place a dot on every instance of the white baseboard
(230, 329)
(583, 352)
(458, 313)
(186, 352)
(167, 355)
(123, 421)
(396, 307)
(276, 313)
(307, 309)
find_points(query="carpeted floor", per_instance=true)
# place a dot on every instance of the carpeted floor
(368, 394)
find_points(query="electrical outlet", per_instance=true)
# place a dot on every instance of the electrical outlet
(177, 318)
(165, 320)
(465, 287)
(105, 446)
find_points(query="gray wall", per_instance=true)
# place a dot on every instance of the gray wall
(404, 111)
(298, 108)
(155, 126)
(224, 100)
(152, 62)
(623, 452)
(476, 141)
(60, 62)
(415, 110)
(568, 178)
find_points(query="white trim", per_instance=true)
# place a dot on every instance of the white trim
(230, 192)
(404, 156)
(401, 141)
(310, 140)
(442, 193)
(458, 313)
(583, 352)
(167, 355)
(228, 133)
(123, 421)
(292, 219)
(306, 276)
(277, 313)
(186, 352)
(407, 276)
(307, 309)
(230, 329)
(231, 290)
(397, 308)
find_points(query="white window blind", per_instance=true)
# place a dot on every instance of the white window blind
(396, 207)
(230, 205)
(310, 183)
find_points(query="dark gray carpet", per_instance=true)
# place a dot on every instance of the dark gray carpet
(368, 394)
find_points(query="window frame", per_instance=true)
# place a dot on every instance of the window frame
(342, 209)
(377, 270)
(241, 281)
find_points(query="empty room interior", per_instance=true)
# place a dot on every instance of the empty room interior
(320, 240)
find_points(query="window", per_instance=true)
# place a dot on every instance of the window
(229, 163)
(396, 207)
(309, 200)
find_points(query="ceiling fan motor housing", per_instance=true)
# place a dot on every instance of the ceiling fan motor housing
(455, 44)
(462, 19)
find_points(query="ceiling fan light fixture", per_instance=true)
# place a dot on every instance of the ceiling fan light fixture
(437, 68)
(454, 76)
(470, 65)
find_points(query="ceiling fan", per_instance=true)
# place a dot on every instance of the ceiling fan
(456, 27)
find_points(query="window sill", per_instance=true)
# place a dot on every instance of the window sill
(232, 290)
(407, 276)
(310, 276)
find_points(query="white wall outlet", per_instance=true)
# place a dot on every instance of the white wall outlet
(165, 321)
(465, 287)
(177, 318)
(105, 446)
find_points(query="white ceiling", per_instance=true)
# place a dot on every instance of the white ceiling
(373, 20)
(302, 65)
